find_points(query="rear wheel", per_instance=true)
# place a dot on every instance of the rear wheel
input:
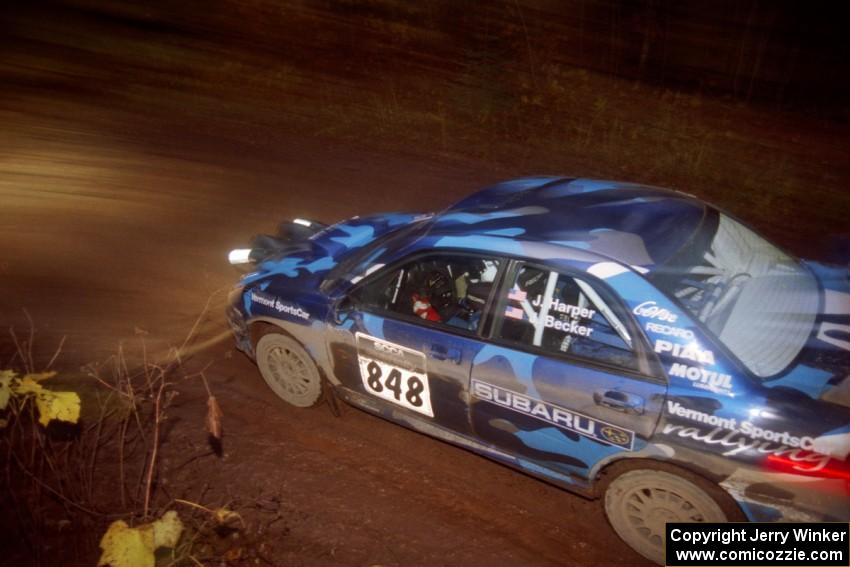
(638, 503)
(289, 370)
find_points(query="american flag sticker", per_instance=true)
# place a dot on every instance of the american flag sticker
(517, 295)
(513, 312)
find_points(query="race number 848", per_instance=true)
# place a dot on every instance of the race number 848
(397, 385)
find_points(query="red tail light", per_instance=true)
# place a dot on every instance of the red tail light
(833, 469)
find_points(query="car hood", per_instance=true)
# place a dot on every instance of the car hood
(822, 370)
(306, 263)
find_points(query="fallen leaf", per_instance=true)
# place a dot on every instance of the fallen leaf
(27, 386)
(167, 530)
(62, 406)
(39, 376)
(124, 546)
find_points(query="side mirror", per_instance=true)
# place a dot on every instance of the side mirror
(343, 309)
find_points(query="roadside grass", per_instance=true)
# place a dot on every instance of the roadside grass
(63, 484)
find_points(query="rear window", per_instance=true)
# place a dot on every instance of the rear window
(758, 301)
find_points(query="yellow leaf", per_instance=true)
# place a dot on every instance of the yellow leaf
(167, 530)
(39, 376)
(27, 386)
(124, 546)
(63, 406)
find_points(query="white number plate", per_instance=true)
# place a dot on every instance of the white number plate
(394, 373)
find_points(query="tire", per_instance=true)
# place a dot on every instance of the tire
(289, 370)
(639, 502)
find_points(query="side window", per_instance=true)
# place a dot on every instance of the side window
(446, 289)
(564, 314)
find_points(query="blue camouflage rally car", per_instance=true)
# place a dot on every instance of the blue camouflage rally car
(620, 341)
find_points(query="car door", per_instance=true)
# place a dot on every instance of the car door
(405, 344)
(567, 380)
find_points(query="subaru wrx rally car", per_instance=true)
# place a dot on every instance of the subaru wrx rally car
(623, 342)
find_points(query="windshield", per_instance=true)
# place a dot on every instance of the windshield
(757, 300)
(354, 264)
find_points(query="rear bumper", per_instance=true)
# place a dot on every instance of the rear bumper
(777, 497)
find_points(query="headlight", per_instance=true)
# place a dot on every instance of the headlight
(239, 256)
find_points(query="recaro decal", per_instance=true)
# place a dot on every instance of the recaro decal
(670, 331)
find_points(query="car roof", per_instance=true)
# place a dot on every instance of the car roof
(637, 225)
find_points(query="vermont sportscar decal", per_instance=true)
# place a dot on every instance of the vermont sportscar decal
(272, 302)
(394, 373)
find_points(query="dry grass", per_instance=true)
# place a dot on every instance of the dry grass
(62, 484)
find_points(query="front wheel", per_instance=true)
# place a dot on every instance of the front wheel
(288, 370)
(638, 503)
